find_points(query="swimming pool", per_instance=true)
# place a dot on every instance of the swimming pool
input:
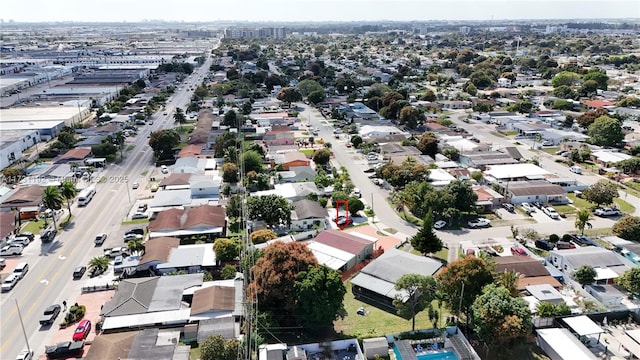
(448, 355)
(36, 167)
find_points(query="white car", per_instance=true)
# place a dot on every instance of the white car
(10, 282)
(130, 237)
(607, 212)
(528, 207)
(10, 250)
(138, 215)
(478, 223)
(551, 212)
(135, 185)
(439, 224)
(25, 355)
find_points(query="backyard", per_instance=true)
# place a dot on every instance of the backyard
(377, 322)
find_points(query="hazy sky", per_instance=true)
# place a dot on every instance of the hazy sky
(313, 10)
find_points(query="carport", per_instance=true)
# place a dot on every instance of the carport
(583, 326)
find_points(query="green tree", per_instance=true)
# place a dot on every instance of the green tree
(464, 198)
(68, 192)
(135, 246)
(252, 161)
(566, 78)
(272, 209)
(228, 272)
(462, 281)
(588, 88)
(411, 116)
(289, 95)
(606, 131)
(585, 275)
(428, 144)
(275, 274)
(229, 173)
(547, 309)
(217, 348)
(601, 193)
(306, 87)
(425, 240)
(356, 141)
(104, 149)
(262, 236)
(509, 280)
(630, 280)
(234, 206)
(582, 220)
(598, 76)
(52, 200)
(99, 264)
(628, 228)
(316, 97)
(321, 156)
(163, 142)
(416, 292)
(226, 249)
(319, 295)
(230, 119)
(499, 318)
(179, 116)
(629, 101)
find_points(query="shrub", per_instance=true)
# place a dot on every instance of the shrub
(323, 202)
(75, 313)
(554, 238)
(228, 272)
(566, 237)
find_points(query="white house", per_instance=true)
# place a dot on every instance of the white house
(608, 264)
(382, 130)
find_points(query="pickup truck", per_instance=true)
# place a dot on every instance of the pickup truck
(607, 212)
(65, 350)
(116, 251)
(50, 314)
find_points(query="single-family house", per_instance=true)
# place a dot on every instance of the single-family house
(532, 271)
(307, 214)
(188, 164)
(367, 131)
(191, 150)
(482, 159)
(277, 138)
(74, 155)
(203, 220)
(488, 199)
(157, 251)
(599, 104)
(376, 282)
(191, 259)
(440, 178)
(296, 174)
(514, 172)
(390, 150)
(340, 250)
(291, 159)
(609, 158)
(536, 190)
(26, 196)
(291, 191)
(608, 264)
(219, 299)
(148, 302)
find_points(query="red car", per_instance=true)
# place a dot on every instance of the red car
(82, 331)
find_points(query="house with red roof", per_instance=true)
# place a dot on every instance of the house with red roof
(599, 104)
(340, 250)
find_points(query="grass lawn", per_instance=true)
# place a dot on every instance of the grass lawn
(567, 209)
(598, 232)
(194, 353)
(550, 150)
(633, 188)
(130, 147)
(34, 227)
(308, 152)
(624, 206)
(442, 254)
(135, 222)
(579, 202)
(378, 322)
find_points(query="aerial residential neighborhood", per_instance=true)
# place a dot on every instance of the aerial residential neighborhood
(357, 190)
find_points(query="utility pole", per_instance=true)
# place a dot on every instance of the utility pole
(24, 332)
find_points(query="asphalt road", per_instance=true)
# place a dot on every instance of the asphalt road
(49, 280)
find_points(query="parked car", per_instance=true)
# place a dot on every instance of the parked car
(138, 215)
(560, 152)
(607, 212)
(131, 237)
(82, 331)
(582, 240)
(79, 271)
(565, 245)
(27, 234)
(528, 207)
(490, 251)
(3, 263)
(537, 204)
(439, 224)
(139, 231)
(509, 207)
(9, 282)
(25, 354)
(544, 244)
(343, 221)
(478, 223)
(518, 251)
(11, 250)
(65, 350)
(551, 212)
(100, 239)
(116, 251)
(20, 240)
(143, 207)
(50, 314)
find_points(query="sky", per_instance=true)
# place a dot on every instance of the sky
(312, 10)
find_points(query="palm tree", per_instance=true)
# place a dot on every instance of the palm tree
(135, 246)
(52, 200)
(68, 191)
(582, 220)
(99, 264)
(179, 117)
(510, 280)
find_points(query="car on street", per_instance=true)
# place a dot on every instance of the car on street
(48, 235)
(50, 314)
(11, 250)
(82, 331)
(370, 170)
(9, 282)
(357, 193)
(478, 223)
(25, 354)
(439, 224)
(528, 207)
(135, 185)
(78, 272)
(607, 212)
(100, 239)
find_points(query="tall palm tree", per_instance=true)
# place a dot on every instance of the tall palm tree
(99, 264)
(582, 220)
(179, 117)
(68, 192)
(52, 200)
(135, 247)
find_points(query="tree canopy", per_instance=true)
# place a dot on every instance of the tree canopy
(272, 209)
(585, 275)
(601, 193)
(163, 142)
(628, 228)
(630, 280)
(417, 292)
(319, 298)
(471, 271)
(606, 131)
(425, 240)
(217, 348)
(499, 318)
(289, 95)
(226, 249)
(428, 144)
(252, 161)
(321, 156)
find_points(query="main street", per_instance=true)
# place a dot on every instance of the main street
(49, 280)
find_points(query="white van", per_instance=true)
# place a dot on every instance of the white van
(21, 270)
(576, 169)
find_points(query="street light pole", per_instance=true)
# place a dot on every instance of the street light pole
(24, 332)
(373, 213)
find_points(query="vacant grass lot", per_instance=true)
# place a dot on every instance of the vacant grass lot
(378, 322)
(34, 227)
